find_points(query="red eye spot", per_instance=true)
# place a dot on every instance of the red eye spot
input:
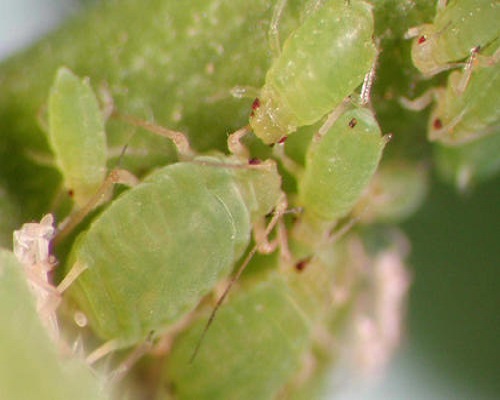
(254, 161)
(422, 39)
(302, 264)
(353, 122)
(437, 124)
(256, 104)
(71, 193)
(282, 140)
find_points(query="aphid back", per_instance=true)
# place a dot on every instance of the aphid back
(339, 167)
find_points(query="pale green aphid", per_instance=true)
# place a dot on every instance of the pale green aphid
(463, 115)
(260, 340)
(320, 64)
(339, 165)
(160, 247)
(76, 135)
(457, 28)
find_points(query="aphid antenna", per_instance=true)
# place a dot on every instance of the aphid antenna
(273, 34)
(180, 140)
(278, 213)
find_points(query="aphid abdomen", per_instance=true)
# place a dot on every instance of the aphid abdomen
(461, 26)
(158, 249)
(339, 167)
(321, 63)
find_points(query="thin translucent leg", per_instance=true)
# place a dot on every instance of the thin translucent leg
(234, 143)
(116, 176)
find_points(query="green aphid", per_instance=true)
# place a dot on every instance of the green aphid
(339, 165)
(76, 135)
(468, 108)
(160, 247)
(457, 28)
(320, 64)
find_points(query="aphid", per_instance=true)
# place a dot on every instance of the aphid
(76, 135)
(468, 107)
(261, 336)
(160, 247)
(320, 64)
(339, 165)
(456, 29)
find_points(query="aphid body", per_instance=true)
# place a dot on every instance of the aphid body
(160, 247)
(321, 63)
(270, 327)
(76, 135)
(456, 29)
(339, 166)
(463, 116)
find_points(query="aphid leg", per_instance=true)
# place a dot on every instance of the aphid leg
(332, 117)
(273, 33)
(441, 5)
(73, 274)
(118, 374)
(115, 176)
(419, 103)
(180, 140)
(102, 351)
(261, 232)
(364, 97)
(290, 165)
(466, 75)
(234, 143)
(278, 213)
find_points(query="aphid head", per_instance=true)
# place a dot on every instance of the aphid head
(270, 119)
(423, 52)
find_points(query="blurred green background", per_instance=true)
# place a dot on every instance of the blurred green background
(452, 346)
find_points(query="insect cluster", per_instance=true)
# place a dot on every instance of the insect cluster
(243, 273)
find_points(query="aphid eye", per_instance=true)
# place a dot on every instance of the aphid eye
(256, 104)
(71, 193)
(302, 264)
(353, 122)
(422, 39)
(254, 161)
(437, 124)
